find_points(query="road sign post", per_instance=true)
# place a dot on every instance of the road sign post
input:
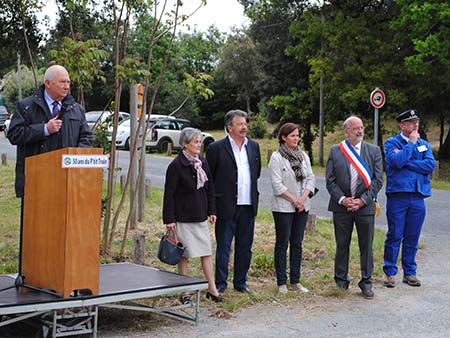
(377, 100)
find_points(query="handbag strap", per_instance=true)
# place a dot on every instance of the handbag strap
(171, 236)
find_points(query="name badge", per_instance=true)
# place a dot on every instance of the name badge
(422, 148)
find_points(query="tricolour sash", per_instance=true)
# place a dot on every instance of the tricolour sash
(357, 162)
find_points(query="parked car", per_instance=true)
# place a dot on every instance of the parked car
(167, 131)
(3, 117)
(123, 134)
(97, 117)
(124, 131)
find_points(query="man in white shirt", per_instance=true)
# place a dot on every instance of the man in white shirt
(235, 164)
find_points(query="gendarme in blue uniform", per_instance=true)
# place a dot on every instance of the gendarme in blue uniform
(408, 169)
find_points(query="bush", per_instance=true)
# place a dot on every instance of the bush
(11, 86)
(101, 138)
(257, 126)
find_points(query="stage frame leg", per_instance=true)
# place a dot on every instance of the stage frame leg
(70, 322)
(179, 312)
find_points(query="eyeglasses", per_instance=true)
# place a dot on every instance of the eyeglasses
(356, 128)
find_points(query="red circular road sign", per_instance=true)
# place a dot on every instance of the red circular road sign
(377, 98)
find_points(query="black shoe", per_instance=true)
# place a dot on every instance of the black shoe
(186, 300)
(217, 299)
(221, 290)
(342, 285)
(246, 289)
(367, 292)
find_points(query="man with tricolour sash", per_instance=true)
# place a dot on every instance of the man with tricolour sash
(354, 176)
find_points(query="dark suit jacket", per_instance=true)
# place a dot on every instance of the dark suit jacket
(183, 202)
(27, 130)
(224, 172)
(338, 178)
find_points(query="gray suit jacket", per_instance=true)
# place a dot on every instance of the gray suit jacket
(338, 178)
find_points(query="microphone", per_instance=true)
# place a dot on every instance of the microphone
(62, 111)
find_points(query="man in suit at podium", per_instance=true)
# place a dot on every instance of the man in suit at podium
(50, 119)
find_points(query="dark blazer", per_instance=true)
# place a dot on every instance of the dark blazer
(338, 178)
(27, 130)
(183, 202)
(224, 172)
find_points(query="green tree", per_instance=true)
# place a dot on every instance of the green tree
(197, 51)
(82, 59)
(297, 107)
(427, 24)
(19, 33)
(238, 64)
(349, 44)
(278, 72)
(11, 85)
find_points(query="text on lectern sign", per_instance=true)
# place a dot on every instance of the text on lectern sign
(85, 161)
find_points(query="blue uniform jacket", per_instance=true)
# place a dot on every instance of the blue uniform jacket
(409, 169)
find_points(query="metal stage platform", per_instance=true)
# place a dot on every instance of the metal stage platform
(120, 285)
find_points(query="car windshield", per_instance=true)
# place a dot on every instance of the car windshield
(92, 117)
(184, 124)
(125, 123)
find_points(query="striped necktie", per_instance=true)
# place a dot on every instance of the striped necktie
(354, 178)
(55, 110)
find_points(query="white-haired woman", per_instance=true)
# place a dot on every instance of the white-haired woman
(188, 204)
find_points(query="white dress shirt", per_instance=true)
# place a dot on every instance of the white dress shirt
(244, 178)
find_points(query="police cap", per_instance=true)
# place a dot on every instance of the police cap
(408, 116)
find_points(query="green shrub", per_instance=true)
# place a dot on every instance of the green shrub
(257, 126)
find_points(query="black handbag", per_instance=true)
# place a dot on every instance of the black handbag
(170, 248)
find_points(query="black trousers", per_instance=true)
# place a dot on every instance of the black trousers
(289, 231)
(343, 228)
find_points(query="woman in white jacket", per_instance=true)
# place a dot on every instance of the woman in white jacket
(292, 183)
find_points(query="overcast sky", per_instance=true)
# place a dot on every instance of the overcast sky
(224, 14)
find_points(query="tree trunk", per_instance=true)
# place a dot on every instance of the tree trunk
(139, 248)
(444, 151)
(30, 56)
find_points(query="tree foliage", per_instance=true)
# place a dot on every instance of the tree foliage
(278, 72)
(19, 33)
(83, 60)
(11, 86)
(238, 64)
(277, 62)
(427, 24)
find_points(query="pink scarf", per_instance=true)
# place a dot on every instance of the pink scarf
(197, 164)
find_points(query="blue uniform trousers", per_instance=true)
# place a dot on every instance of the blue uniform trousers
(241, 227)
(405, 214)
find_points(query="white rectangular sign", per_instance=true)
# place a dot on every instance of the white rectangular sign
(85, 161)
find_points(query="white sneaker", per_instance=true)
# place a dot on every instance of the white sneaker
(283, 289)
(300, 288)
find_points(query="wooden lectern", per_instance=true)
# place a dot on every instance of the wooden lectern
(61, 223)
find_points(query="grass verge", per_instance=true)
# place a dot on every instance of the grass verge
(317, 266)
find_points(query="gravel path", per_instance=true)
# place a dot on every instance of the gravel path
(399, 312)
